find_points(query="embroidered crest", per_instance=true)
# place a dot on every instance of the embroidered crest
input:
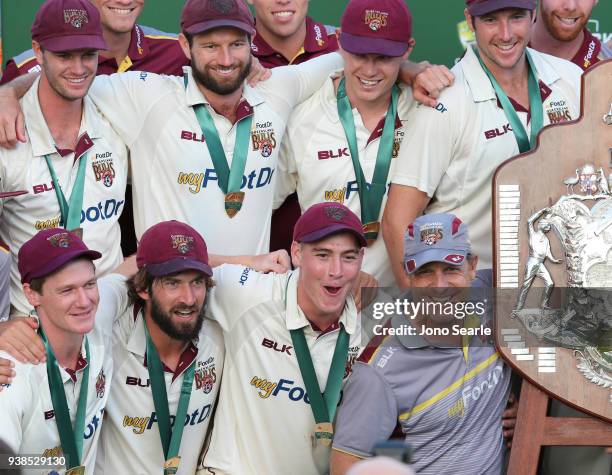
(431, 233)
(335, 213)
(375, 19)
(182, 243)
(101, 384)
(206, 375)
(60, 240)
(222, 6)
(77, 18)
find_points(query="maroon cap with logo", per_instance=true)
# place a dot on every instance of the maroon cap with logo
(170, 247)
(199, 16)
(66, 25)
(376, 27)
(482, 7)
(327, 218)
(49, 250)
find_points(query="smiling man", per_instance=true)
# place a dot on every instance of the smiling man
(74, 166)
(288, 337)
(342, 143)
(561, 30)
(56, 409)
(504, 93)
(447, 390)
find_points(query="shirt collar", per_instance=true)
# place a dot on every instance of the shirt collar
(68, 374)
(138, 49)
(479, 82)
(250, 97)
(295, 318)
(38, 131)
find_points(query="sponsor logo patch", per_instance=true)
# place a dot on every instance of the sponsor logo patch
(263, 139)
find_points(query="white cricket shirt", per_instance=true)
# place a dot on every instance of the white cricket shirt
(173, 176)
(316, 162)
(264, 422)
(28, 422)
(24, 168)
(452, 151)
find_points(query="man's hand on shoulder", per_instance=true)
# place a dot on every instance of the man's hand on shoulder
(18, 337)
(427, 80)
(277, 262)
(258, 73)
(12, 127)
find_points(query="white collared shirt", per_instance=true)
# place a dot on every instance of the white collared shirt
(452, 151)
(316, 162)
(28, 422)
(24, 168)
(130, 441)
(173, 175)
(263, 423)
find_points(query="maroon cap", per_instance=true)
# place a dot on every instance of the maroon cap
(377, 27)
(49, 250)
(482, 7)
(66, 25)
(323, 219)
(199, 16)
(170, 247)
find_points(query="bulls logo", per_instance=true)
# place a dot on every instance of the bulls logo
(375, 19)
(205, 375)
(335, 213)
(431, 235)
(104, 169)
(101, 384)
(75, 17)
(222, 6)
(266, 148)
(60, 240)
(182, 243)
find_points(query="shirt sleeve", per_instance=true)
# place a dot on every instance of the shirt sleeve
(427, 149)
(114, 301)
(287, 176)
(290, 85)
(14, 399)
(236, 289)
(126, 99)
(368, 413)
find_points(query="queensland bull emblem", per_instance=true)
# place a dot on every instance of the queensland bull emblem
(223, 6)
(100, 384)
(334, 213)
(182, 243)
(60, 240)
(75, 17)
(431, 235)
(375, 19)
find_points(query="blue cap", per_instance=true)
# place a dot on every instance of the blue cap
(440, 237)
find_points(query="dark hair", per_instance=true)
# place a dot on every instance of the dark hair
(37, 283)
(143, 280)
(531, 13)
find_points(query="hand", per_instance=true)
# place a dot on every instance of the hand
(430, 82)
(18, 338)
(7, 372)
(364, 290)
(12, 126)
(258, 73)
(277, 262)
(509, 419)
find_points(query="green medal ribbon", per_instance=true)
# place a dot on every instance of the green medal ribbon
(323, 405)
(230, 180)
(536, 109)
(170, 435)
(70, 210)
(70, 439)
(370, 198)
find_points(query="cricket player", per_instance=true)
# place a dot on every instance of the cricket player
(447, 391)
(503, 94)
(56, 409)
(72, 171)
(288, 337)
(561, 30)
(341, 144)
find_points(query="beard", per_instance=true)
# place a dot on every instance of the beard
(205, 78)
(548, 17)
(177, 331)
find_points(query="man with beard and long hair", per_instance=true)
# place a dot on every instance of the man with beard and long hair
(561, 30)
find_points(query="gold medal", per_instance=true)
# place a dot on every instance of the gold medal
(78, 470)
(171, 465)
(371, 230)
(321, 439)
(233, 202)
